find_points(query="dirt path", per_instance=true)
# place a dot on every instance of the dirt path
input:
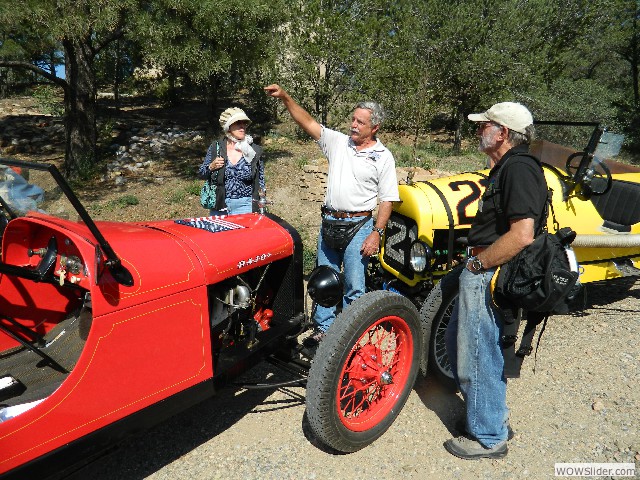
(581, 405)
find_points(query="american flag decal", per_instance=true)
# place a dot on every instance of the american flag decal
(210, 224)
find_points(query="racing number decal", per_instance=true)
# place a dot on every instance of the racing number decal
(474, 196)
(396, 233)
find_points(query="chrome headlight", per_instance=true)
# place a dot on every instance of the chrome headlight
(420, 256)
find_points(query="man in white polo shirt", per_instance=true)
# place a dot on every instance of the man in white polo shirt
(361, 174)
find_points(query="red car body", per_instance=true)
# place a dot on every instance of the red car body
(143, 351)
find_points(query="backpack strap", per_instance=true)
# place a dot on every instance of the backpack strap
(497, 199)
(513, 358)
(512, 363)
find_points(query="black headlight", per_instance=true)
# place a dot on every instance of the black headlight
(325, 286)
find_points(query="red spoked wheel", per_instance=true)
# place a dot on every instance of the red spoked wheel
(363, 371)
(375, 373)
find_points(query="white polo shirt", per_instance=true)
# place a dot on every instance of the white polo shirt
(357, 179)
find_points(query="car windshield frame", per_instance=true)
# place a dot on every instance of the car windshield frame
(113, 262)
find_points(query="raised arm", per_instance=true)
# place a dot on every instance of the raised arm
(299, 114)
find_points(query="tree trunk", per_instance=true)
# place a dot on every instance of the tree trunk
(80, 108)
(116, 77)
(635, 56)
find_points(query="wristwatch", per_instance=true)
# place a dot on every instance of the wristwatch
(379, 230)
(476, 264)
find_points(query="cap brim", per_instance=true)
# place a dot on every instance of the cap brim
(478, 117)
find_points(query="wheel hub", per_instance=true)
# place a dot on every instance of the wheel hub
(386, 378)
(368, 368)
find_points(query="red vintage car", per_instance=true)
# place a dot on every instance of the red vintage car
(107, 328)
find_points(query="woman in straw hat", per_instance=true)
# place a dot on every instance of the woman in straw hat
(235, 164)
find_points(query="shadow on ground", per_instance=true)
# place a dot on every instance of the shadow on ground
(144, 454)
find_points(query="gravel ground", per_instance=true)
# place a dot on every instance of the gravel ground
(580, 405)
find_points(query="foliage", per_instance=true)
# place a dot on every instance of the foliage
(115, 204)
(48, 99)
(423, 60)
(181, 195)
(308, 260)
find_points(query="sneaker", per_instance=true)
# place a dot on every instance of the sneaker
(461, 428)
(469, 449)
(314, 339)
(311, 343)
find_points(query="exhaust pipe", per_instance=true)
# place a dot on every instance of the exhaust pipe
(604, 241)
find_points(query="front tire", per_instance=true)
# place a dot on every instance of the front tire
(364, 371)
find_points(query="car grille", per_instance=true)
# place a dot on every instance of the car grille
(400, 233)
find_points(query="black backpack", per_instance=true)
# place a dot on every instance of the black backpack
(543, 277)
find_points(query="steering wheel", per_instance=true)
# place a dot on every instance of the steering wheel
(49, 259)
(593, 178)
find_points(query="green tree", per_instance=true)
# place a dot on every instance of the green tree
(193, 39)
(320, 45)
(81, 29)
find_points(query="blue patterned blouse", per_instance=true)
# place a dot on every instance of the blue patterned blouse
(237, 179)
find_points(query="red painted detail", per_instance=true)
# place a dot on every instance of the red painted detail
(263, 316)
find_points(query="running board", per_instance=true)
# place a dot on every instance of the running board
(626, 268)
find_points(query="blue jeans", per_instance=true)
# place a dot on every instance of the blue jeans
(352, 262)
(235, 206)
(473, 340)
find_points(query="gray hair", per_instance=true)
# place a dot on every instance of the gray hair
(377, 113)
(517, 138)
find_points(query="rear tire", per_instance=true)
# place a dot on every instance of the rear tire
(364, 371)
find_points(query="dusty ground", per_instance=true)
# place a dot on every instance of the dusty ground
(581, 404)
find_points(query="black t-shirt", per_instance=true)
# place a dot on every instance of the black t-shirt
(522, 193)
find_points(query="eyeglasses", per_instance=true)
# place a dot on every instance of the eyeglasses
(483, 125)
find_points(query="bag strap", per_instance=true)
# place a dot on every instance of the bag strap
(525, 348)
(542, 226)
(213, 178)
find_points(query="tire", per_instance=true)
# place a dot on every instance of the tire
(434, 316)
(343, 412)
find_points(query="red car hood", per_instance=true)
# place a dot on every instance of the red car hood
(228, 245)
(169, 256)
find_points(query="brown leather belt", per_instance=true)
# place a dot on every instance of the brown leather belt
(474, 251)
(341, 214)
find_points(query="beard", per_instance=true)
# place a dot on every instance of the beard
(487, 141)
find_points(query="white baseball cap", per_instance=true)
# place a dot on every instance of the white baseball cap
(512, 115)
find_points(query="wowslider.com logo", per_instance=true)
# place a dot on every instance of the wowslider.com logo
(594, 470)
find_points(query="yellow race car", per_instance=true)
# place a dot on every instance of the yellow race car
(425, 238)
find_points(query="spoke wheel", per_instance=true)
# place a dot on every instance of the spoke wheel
(435, 315)
(363, 371)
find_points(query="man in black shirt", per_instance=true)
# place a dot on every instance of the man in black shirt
(508, 215)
